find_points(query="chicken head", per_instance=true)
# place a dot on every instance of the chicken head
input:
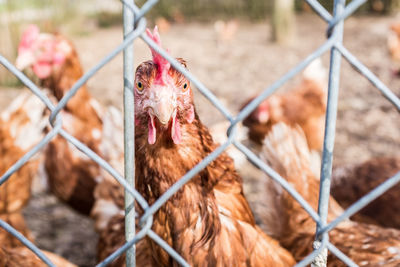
(163, 97)
(42, 51)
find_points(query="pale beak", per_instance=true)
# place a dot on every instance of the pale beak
(164, 104)
(163, 110)
(24, 60)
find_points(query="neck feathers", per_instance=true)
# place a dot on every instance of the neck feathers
(62, 80)
(192, 211)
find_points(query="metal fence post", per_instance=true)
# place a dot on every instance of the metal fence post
(129, 134)
(329, 138)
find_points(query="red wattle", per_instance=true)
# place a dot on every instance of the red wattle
(176, 130)
(42, 69)
(152, 131)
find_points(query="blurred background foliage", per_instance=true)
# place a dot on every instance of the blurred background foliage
(82, 17)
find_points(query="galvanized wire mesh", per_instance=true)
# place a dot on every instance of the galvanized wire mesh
(134, 27)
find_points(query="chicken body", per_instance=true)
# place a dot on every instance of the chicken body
(108, 214)
(351, 182)
(367, 245)
(72, 175)
(208, 221)
(21, 126)
(17, 221)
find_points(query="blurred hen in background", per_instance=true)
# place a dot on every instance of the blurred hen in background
(72, 175)
(304, 105)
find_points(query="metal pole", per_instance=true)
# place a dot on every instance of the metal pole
(129, 135)
(330, 125)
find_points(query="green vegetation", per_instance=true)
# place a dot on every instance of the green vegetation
(108, 19)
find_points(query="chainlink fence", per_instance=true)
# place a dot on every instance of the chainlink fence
(134, 27)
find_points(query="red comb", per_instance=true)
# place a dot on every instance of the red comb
(162, 63)
(28, 38)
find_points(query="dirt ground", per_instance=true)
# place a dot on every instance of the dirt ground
(367, 123)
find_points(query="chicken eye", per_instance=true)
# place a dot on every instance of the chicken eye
(139, 86)
(185, 87)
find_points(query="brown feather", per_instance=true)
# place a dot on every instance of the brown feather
(112, 237)
(351, 182)
(108, 214)
(71, 178)
(72, 175)
(21, 126)
(22, 256)
(63, 78)
(17, 221)
(208, 221)
(14, 193)
(367, 245)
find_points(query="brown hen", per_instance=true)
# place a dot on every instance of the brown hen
(367, 245)
(304, 105)
(208, 221)
(72, 175)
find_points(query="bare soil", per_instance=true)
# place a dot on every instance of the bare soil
(367, 123)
